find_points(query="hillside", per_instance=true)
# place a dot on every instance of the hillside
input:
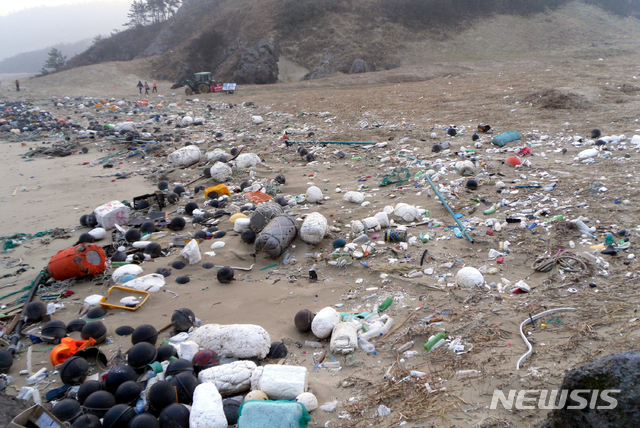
(32, 62)
(283, 40)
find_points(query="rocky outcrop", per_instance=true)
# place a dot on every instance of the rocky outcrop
(326, 68)
(160, 43)
(359, 66)
(258, 65)
(619, 372)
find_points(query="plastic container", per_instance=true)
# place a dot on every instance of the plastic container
(366, 346)
(434, 340)
(405, 347)
(220, 189)
(128, 291)
(504, 138)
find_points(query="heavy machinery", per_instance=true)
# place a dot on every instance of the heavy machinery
(202, 83)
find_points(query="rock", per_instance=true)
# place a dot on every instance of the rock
(619, 371)
(359, 66)
(234, 340)
(326, 68)
(258, 65)
(160, 43)
(230, 379)
(207, 410)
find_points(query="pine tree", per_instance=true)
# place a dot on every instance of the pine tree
(56, 60)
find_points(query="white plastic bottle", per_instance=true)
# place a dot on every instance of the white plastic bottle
(366, 346)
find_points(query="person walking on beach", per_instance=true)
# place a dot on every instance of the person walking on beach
(17, 85)
(146, 88)
(155, 87)
(140, 86)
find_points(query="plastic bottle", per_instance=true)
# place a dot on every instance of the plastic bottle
(313, 344)
(435, 339)
(366, 346)
(40, 375)
(585, 229)
(331, 365)
(418, 374)
(387, 326)
(373, 332)
(385, 305)
(405, 347)
(554, 218)
(355, 158)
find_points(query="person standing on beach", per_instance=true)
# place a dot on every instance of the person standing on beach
(146, 88)
(155, 87)
(140, 86)
(17, 85)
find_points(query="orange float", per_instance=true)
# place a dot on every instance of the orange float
(81, 260)
(512, 161)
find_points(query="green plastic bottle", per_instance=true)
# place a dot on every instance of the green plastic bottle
(356, 158)
(435, 339)
(555, 218)
(385, 305)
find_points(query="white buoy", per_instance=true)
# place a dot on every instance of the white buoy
(314, 194)
(220, 172)
(324, 321)
(469, 277)
(355, 197)
(313, 229)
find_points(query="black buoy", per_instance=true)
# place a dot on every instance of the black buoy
(117, 375)
(219, 234)
(125, 330)
(310, 157)
(278, 350)
(231, 409)
(225, 275)
(595, 133)
(6, 360)
(213, 195)
(179, 366)
(119, 256)
(74, 370)
(35, 311)
(165, 352)
(76, 325)
(281, 179)
(163, 185)
(437, 148)
(148, 227)
(184, 279)
(175, 416)
(452, 132)
(248, 236)
(128, 392)
(475, 137)
(178, 190)
(67, 410)
(207, 265)
(97, 312)
(141, 354)
(95, 330)
(198, 189)
(233, 151)
(177, 224)
(88, 388)
(207, 172)
(183, 319)
(99, 403)
(87, 421)
(144, 420)
(282, 201)
(145, 333)
(164, 271)
(189, 207)
(184, 383)
(472, 184)
(303, 320)
(118, 416)
(85, 238)
(161, 394)
(178, 265)
(302, 152)
(153, 249)
(141, 205)
(53, 331)
(132, 235)
(200, 235)
(172, 198)
(88, 220)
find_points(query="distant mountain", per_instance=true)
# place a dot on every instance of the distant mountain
(32, 62)
(37, 28)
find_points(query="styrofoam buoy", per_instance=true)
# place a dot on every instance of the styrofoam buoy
(185, 156)
(308, 400)
(232, 378)
(355, 197)
(406, 212)
(313, 228)
(357, 227)
(313, 195)
(207, 410)
(98, 233)
(371, 223)
(126, 270)
(186, 121)
(344, 338)
(280, 382)
(221, 172)
(241, 224)
(247, 160)
(383, 219)
(469, 277)
(234, 340)
(324, 321)
(257, 120)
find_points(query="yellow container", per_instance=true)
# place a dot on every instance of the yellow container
(236, 216)
(220, 189)
(99, 105)
(122, 292)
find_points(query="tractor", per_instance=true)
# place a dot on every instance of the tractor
(202, 84)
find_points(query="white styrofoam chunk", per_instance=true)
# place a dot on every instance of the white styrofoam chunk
(151, 283)
(280, 382)
(187, 350)
(230, 379)
(185, 156)
(234, 340)
(313, 229)
(207, 410)
(344, 339)
(324, 321)
(125, 270)
(112, 213)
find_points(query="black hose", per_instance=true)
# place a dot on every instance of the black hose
(15, 337)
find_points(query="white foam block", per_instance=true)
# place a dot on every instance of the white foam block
(207, 410)
(230, 379)
(344, 339)
(234, 340)
(280, 382)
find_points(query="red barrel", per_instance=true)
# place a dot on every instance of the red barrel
(81, 260)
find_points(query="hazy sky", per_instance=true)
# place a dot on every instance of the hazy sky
(9, 6)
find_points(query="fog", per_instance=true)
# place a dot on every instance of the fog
(41, 27)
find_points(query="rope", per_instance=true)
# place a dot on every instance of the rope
(9, 242)
(564, 260)
(530, 320)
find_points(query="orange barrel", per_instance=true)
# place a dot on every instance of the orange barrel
(81, 260)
